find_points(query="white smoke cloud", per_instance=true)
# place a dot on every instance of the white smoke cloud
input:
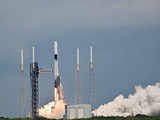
(53, 110)
(144, 101)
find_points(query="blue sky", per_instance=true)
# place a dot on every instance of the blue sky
(125, 35)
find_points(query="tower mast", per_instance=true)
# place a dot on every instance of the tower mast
(22, 98)
(78, 82)
(34, 75)
(92, 96)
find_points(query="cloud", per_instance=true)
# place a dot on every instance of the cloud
(144, 101)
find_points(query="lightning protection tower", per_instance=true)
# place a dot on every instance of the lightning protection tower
(34, 74)
(92, 96)
(22, 97)
(78, 82)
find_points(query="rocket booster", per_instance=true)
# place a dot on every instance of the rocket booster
(57, 85)
(56, 71)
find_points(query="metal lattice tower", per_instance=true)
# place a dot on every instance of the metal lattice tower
(22, 97)
(92, 95)
(34, 74)
(78, 82)
(35, 71)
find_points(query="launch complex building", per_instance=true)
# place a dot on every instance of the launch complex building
(71, 111)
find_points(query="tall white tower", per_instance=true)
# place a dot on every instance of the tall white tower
(78, 98)
(92, 96)
(22, 97)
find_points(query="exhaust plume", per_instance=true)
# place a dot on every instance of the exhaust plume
(144, 101)
(53, 110)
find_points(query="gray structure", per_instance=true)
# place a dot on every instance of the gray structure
(34, 74)
(78, 111)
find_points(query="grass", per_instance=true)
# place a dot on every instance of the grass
(141, 117)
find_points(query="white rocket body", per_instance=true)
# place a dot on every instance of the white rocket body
(58, 92)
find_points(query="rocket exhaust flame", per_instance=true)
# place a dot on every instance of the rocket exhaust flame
(144, 101)
(53, 110)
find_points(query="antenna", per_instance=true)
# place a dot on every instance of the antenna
(92, 96)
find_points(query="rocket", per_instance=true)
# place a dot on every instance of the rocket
(58, 92)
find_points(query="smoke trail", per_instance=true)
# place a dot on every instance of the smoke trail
(144, 101)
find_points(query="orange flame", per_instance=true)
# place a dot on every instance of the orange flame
(53, 110)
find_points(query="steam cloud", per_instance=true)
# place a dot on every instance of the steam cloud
(144, 101)
(53, 110)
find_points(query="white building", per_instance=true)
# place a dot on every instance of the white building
(78, 111)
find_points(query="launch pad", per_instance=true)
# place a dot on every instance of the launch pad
(57, 108)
